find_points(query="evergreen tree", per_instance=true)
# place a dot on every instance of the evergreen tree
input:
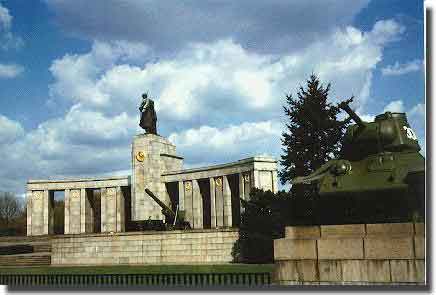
(313, 134)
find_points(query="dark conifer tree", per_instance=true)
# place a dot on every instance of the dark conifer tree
(313, 134)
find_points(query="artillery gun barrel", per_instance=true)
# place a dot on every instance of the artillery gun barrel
(344, 105)
(165, 209)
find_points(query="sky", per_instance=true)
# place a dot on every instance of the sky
(72, 74)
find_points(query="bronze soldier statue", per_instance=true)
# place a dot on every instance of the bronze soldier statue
(148, 115)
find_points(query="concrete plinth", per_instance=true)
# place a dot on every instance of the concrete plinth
(355, 254)
(152, 155)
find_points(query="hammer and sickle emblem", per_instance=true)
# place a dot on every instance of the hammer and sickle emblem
(140, 156)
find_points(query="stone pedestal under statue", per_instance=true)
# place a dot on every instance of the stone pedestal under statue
(152, 155)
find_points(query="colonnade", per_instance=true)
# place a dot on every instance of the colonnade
(90, 205)
(80, 207)
(221, 195)
(209, 197)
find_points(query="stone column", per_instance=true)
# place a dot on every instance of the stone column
(36, 205)
(46, 214)
(197, 205)
(120, 210)
(219, 202)
(189, 214)
(75, 211)
(82, 210)
(103, 193)
(241, 185)
(112, 210)
(227, 202)
(86, 214)
(248, 184)
(29, 212)
(67, 212)
(241, 191)
(212, 203)
(275, 181)
(255, 179)
(181, 195)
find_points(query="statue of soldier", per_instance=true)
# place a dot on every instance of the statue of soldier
(148, 115)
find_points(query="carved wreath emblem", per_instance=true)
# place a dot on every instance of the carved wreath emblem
(37, 195)
(218, 182)
(140, 156)
(188, 186)
(75, 194)
(111, 192)
(247, 178)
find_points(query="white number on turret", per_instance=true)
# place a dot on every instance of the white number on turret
(410, 133)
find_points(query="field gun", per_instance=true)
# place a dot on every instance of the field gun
(173, 220)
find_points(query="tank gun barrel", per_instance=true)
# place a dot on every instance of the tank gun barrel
(345, 105)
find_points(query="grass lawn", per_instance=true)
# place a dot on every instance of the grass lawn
(140, 269)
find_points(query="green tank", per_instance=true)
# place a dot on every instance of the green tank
(376, 156)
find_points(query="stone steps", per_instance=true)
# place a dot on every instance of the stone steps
(25, 251)
(23, 239)
(44, 258)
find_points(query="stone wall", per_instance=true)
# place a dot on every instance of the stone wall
(390, 253)
(171, 247)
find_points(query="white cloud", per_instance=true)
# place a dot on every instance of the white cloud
(386, 31)
(396, 106)
(402, 68)
(7, 39)
(366, 117)
(5, 18)
(221, 76)
(226, 138)
(418, 110)
(416, 117)
(9, 130)
(76, 75)
(10, 70)
(218, 102)
(228, 143)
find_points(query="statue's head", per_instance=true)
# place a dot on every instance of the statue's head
(145, 95)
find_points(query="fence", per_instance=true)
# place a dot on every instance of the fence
(180, 279)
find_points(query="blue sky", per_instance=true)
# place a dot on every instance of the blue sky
(71, 75)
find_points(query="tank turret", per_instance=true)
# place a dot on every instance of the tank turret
(390, 132)
(382, 155)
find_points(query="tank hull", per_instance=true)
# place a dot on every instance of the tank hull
(380, 172)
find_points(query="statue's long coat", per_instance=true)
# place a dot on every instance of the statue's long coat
(148, 117)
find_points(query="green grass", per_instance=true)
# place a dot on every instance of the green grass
(143, 269)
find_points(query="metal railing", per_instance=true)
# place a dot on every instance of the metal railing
(180, 279)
